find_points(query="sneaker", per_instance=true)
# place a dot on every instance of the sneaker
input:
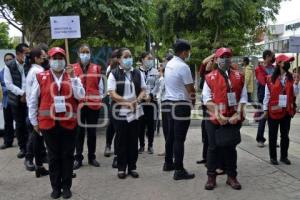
(182, 175)
(107, 151)
(141, 150)
(150, 150)
(260, 145)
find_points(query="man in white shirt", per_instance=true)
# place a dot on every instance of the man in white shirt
(180, 95)
(15, 81)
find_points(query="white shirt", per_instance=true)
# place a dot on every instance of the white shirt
(207, 94)
(162, 89)
(34, 70)
(33, 103)
(9, 83)
(267, 93)
(129, 89)
(177, 76)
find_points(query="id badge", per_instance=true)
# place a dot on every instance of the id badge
(231, 99)
(60, 104)
(282, 101)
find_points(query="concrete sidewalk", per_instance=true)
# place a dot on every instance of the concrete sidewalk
(259, 179)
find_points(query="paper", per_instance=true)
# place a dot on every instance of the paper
(63, 27)
(60, 104)
(231, 99)
(282, 101)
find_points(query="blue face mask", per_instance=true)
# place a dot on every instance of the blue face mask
(127, 63)
(85, 58)
(149, 64)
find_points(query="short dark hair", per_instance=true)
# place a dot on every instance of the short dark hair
(9, 54)
(20, 47)
(35, 52)
(246, 60)
(181, 45)
(267, 53)
(144, 55)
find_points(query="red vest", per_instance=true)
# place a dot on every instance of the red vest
(46, 111)
(276, 89)
(218, 87)
(90, 82)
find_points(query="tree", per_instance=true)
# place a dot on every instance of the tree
(5, 42)
(112, 21)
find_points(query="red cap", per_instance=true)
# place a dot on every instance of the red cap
(56, 50)
(284, 58)
(223, 51)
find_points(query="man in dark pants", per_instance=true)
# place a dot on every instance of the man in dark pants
(261, 73)
(14, 78)
(7, 112)
(180, 93)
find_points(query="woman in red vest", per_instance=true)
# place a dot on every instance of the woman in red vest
(53, 114)
(225, 96)
(89, 107)
(279, 106)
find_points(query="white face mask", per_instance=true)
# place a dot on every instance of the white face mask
(57, 65)
(85, 58)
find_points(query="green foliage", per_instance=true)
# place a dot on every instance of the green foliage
(5, 42)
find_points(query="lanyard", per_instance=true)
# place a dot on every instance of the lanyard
(130, 81)
(227, 80)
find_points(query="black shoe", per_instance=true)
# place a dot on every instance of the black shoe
(29, 165)
(141, 150)
(201, 162)
(55, 194)
(121, 175)
(5, 146)
(41, 171)
(115, 163)
(134, 174)
(107, 151)
(66, 194)
(74, 175)
(168, 167)
(274, 162)
(77, 164)
(182, 175)
(285, 161)
(94, 163)
(21, 154)
(150, 150)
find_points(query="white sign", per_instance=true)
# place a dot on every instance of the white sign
(294, 45)
(65, 27)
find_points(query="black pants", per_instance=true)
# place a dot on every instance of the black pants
(30, 141)
(126, 144)
(284, 125)
(110, 130)
(262, 122)
(20, 115)
(178, 123)
(60, 144)
(215, 153)
(164, 119)
(148, 121)
(204, 134)
(8, 136)
(90, 118)
(39, 149)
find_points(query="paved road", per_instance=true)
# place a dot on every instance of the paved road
(260, 180)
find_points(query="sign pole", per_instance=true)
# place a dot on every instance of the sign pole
(67, 50)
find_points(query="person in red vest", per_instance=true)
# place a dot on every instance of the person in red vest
(90, 75)
(279, 106)
(53, 114)
(225, 95)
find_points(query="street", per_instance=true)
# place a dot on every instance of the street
(259, 179)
